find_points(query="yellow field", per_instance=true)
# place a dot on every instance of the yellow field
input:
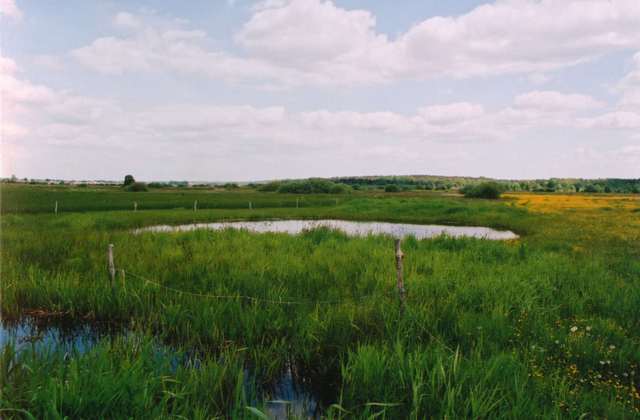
(582, 220)
(554, 203)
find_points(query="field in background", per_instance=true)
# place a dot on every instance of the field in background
(544, 326)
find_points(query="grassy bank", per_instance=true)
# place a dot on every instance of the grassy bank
(544, 326)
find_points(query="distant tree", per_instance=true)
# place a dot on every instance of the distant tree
(391, 188)
(491, 190)
(128, 180)
(137, 187)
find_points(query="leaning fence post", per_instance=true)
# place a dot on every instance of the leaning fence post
(112, 267)
(195, 205)
(55, 210)
(401, 290)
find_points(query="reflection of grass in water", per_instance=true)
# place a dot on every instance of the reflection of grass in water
(488, 328)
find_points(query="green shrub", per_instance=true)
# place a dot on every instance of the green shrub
(313, 186)
(269, 186)
(491, 190)
(158, 185)
(137, 187)
(391, 188)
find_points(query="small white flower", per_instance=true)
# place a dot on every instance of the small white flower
(557, 341)
(588, 328)
(602, 362)
(612, 347)
(574, 329)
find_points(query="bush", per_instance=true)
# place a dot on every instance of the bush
(269, 186)
(137, 187)
(230, 186)
(313, 186)
(158, 185)
(491, 190)
(391, 188)
(128, 180)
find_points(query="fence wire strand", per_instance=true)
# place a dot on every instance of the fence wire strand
(286, 301)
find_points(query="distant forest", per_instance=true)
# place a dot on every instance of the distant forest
(426, 182)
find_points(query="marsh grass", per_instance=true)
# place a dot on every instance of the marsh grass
(491, 329)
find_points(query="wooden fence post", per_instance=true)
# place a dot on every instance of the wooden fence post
(195, 205)
(124, 284)
(112, 267)
(55, 210)
(250, 206)
(135, 206)
(399, 257)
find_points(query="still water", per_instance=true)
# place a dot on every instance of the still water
(398, 230)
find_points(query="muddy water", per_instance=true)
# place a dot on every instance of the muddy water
(398, 230)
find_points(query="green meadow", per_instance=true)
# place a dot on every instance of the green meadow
(545, 326)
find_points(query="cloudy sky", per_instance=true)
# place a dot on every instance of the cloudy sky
(241, 90)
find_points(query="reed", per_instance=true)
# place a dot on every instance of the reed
(545, 326)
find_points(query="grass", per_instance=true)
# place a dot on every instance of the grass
(545, 326)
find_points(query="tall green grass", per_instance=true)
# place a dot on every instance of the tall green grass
(491, 329)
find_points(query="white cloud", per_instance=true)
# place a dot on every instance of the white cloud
(451, 113)
(126, 20)
(626, 115)
(9, 9)
(552, 101)
(301, 42)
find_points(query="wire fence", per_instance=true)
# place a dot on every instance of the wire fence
(282, 301)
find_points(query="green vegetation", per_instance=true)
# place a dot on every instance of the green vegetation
(425, 182)
(309, 186)
(17, 198)
(490, 190)
(137, 187)
(546, 326)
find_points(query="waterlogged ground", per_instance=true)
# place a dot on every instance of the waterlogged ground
(286, 396)
(294, 227)
(545, 325)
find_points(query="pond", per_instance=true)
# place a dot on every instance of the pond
(398, 230)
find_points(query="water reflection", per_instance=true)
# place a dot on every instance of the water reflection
(398, 230)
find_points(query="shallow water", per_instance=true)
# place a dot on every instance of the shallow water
(40, 336)
(398, 230)
(289, 396)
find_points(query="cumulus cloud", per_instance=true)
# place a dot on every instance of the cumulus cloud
(126, 20)
(552, 101)
(9, 9)
(626, 115)
(297, 42)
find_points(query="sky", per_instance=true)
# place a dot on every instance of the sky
(239, 90)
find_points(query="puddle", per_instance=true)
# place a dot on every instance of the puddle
(290, 396)
(398, 230)
(40, 336)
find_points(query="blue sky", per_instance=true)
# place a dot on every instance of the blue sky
(242, 90)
